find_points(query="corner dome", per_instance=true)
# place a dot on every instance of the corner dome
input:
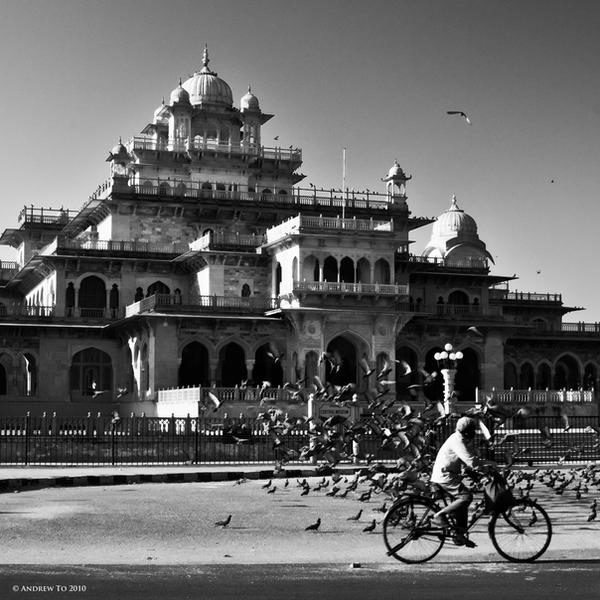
(454, 222)
(454, 237)
(249, 101)
(119, 151)
(180, 95)
(204, 87)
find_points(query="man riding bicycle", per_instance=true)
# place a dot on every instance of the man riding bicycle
(457, 451)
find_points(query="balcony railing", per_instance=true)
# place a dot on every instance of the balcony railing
(204, 145)
(447, 263)
(8, 269)
(505, 295)
(46, 216)
(332, 287)
(36, 312)
(302, 223)
(213, 241)
(457, 310)
(203, 304)
(119, 246)
(541, 396)
(295, 197)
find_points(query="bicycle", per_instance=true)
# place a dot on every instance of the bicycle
(520, 532)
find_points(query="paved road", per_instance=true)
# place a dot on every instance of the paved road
(158, 540)
(575, 580)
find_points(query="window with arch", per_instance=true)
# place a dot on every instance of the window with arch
(527, 378)
(510, 376)
(347, 270)
(246, 291)
(363, 271)
(543, 378)
(266, 192)
(92, 296)
(330, 269)
(310, 269)
(382, 271)
(164, 188)
(458, 297)
(158, 287)
(91, 372)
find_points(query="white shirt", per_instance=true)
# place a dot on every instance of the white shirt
(455, 452)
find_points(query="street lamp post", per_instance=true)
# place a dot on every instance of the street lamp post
(448, 363)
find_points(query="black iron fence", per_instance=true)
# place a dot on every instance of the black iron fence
(101, 440)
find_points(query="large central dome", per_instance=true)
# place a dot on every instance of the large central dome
(205, 88)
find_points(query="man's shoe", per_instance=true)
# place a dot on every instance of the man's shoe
(460, 539)
(440, 521)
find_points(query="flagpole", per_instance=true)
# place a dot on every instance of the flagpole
(343, 183)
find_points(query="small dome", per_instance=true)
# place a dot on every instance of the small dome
(159, 112)
(249, 101)
(179, 95)
(204, 87)
(454, 237)
(396, 171)
(454, 222)
(119, 150)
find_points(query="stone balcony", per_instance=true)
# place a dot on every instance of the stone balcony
(173, 303)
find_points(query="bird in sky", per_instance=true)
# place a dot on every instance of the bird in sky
(224, 523)
(276, 137)
(315, 526)
(461, 114)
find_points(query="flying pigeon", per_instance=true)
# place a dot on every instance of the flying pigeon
(460, 113)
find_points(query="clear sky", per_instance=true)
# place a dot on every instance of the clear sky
(373, 76)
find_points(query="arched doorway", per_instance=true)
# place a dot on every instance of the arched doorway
(330, 269)
(232, 363)
(344, 353)
(527, 379)
(590, 377)
(435, 390)
(194, 368)
(91, 372)
(158, 287)
(347, 270)
(467, 375)
(566, 373)
(543, 379)
(510, 376)
(267, 366)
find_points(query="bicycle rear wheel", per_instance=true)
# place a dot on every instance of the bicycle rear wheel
(407, 531)
(522, 533)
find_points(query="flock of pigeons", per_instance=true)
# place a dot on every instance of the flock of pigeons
(376, 487)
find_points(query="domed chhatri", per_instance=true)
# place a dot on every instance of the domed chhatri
(179, 95)
(396, 179)
(204, 87)
(249, 101)
(454, 238)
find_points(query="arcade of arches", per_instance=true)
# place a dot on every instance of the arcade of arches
(564, 373)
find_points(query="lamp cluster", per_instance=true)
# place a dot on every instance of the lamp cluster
(448, 358)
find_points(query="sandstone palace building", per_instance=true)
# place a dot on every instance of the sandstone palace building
(202, 261)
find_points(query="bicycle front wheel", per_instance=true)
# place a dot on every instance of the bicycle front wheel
(408, 533)
(522, 533)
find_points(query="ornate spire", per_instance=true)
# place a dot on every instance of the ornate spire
(205, 60)
(454, 206)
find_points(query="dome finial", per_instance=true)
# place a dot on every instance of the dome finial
(249, 89)
(454, 205)
(205, 59)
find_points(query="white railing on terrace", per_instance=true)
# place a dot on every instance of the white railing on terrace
(214, 240)
(456, 310)
(499, 294)
(540, 396)
(450, 263)
(119, 246)
(201, 304)
(216, 191)
(299, 223)
(332, 287)
(149, 143)
(46, 216)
